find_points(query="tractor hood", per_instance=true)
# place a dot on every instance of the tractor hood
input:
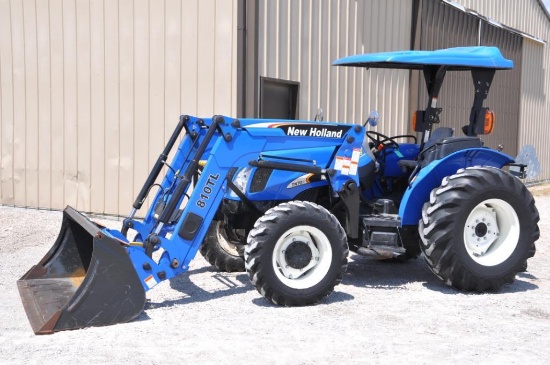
(459, 58)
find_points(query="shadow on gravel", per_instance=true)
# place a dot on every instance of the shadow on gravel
(334, 297)
(386, 274)
(236, 284)
(527, 275)
(518, 286)
(143, 316)
(362, 272)
(389, 274)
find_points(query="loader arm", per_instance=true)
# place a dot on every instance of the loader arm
(89, 263)
(225, 143)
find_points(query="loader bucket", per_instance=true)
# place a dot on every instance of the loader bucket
(86, 279)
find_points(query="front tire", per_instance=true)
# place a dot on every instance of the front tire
(479, 228)
(296, 254)
(223, 248)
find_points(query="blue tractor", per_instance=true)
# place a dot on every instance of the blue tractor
(287, 200)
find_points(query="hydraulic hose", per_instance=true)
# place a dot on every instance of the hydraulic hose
(155, 171)
(188, 174)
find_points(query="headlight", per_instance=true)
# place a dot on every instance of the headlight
(241, 180)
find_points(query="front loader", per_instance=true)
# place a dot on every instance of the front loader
(287, 200)
(90, 268)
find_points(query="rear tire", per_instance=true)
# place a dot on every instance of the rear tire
(479, 228)
(296, 254)
(222, 251)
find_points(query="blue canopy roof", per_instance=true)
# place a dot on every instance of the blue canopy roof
(459, 58)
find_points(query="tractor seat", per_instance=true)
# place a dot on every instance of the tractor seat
(437, 135)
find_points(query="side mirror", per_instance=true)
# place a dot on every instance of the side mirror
(373, 119)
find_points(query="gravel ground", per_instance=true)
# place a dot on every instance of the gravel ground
(381, 313)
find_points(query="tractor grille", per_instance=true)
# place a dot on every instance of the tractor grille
(259, 180)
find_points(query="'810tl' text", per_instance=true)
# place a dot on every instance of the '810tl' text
(207, 190)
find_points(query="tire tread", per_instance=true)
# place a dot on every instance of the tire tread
(438, 228)
(259, 241)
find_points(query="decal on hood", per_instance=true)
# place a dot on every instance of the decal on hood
(307, 129)
(305, 179)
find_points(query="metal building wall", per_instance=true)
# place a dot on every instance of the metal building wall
(535, 106)
(91, 89)
(504, 96)
(529, 17)
(441, 26)
(298, 40)
(444, 26)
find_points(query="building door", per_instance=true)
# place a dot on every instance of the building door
(278, 99)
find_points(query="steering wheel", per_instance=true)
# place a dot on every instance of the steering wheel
(382, 141)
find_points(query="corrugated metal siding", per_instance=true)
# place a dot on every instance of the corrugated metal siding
(91, 90)
(528, 17)
(504, 96)
(535, 107)
(298, 40)
(524, 15)
(444, 26)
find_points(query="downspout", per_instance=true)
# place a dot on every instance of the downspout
(479, 32)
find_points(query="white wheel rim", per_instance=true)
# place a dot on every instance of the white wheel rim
(317, 266)
(491, 232)
(224, 242)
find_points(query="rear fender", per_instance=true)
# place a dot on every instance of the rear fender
(430, 177)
